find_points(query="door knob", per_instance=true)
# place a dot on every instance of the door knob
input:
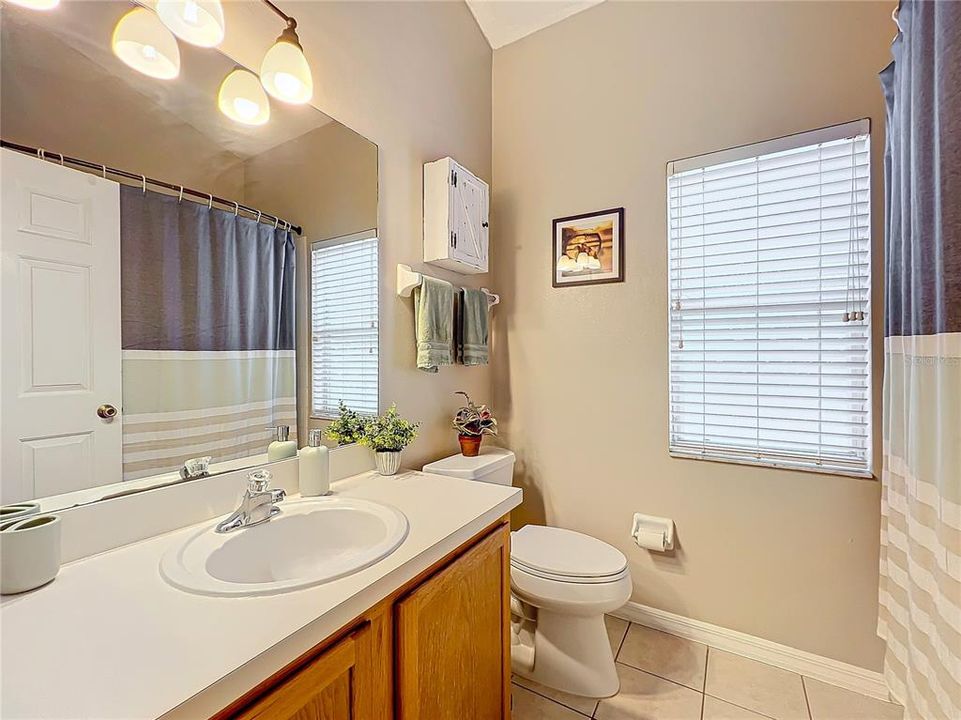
(107, 412)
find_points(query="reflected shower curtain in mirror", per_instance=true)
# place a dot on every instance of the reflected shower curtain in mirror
(207, 313)
(920, 587)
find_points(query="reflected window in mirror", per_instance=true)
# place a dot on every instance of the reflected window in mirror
(167, 264)
(344, 325)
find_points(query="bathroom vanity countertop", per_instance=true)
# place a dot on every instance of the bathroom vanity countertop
(109, 638)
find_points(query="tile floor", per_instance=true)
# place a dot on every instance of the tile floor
(664, 677)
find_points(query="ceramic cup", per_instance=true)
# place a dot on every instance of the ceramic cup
(29, 553)
(18, 510)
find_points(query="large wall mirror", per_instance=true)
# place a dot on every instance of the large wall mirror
(155, 262)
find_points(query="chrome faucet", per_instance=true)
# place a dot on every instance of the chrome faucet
(258, 505)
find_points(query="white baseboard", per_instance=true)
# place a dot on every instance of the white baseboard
(833, 672)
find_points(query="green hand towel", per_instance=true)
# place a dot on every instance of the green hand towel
(474, 329)
(434, 323)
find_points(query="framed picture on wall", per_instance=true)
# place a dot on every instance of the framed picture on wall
(589, 249)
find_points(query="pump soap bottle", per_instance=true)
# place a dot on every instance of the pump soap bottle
(314, 465)
(283, 447)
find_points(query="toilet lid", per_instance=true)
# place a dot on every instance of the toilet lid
(565, 553)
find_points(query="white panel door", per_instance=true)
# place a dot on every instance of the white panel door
(60, 329)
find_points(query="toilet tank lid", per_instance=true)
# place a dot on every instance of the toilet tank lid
(472, 468)
(565, 552)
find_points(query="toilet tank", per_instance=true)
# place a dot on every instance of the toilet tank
(493, 465)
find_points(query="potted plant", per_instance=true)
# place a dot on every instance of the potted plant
(348, 428)
(472, 422)
(387, 436)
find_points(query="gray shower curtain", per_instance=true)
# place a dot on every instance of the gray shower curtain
(920, 588)
(207, 324)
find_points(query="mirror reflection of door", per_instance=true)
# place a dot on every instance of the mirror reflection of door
(60, 255)
(140, 271)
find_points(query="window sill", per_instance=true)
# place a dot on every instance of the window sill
(859, 474)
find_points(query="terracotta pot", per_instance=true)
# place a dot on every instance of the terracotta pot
(470, 444)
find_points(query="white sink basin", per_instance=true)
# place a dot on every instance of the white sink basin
(311, 541)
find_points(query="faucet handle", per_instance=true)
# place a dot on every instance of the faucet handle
(258, 480)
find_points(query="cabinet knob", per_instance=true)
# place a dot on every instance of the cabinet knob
(484, 224)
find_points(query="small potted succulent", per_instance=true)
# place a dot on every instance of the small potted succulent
(348, 428)
(387, 436)
(472, 422)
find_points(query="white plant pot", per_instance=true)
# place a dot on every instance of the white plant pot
(388, 462)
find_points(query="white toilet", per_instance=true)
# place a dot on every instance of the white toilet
(562, 583)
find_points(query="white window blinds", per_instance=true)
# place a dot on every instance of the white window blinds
(344, 324)
(770, 252)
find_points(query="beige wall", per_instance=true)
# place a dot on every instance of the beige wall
(325, 181)
(586, 115)
(414, 78)
(56, 98)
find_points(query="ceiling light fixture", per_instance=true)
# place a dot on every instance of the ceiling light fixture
(143, 43)
(37, 4)
(241, 98)
(284, 72)
(199, 22)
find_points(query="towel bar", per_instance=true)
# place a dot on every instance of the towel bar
(407, 280)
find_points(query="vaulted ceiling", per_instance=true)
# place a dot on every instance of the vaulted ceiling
(504, 21)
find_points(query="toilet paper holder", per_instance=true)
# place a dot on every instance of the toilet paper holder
(652, 532)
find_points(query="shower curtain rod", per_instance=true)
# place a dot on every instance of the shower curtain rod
(183, 192)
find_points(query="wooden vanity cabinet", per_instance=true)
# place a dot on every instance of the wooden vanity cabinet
(335, 686)
(453, 643)
(436, 649)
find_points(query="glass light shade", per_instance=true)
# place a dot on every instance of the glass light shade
(143, 43)
(199, 22)
(242, 98)
(285, 72)
(37, 4)
(583, 261)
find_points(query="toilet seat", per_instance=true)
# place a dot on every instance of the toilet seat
(567, 578)
(566, 556)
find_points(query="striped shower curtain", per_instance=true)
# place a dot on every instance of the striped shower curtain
(207, 323)
(920, 589)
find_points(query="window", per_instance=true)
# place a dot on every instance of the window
(344, 322)
(770, 331)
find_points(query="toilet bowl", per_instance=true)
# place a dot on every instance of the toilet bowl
(562, 584)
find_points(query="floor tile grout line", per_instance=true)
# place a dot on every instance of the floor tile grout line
(659, 677)
(620, 645)
(807, 703)
(707, 660)
(550, 699)
(750, 710)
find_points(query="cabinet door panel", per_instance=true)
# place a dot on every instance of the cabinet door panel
(453, 639)
(332, 687)
(469, 197)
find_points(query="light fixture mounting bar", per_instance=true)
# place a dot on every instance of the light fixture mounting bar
(291, 23)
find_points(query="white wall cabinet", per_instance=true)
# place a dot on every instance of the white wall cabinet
(455, 217)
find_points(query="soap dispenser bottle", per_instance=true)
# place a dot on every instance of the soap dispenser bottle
(314, 465)
(283, 447)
